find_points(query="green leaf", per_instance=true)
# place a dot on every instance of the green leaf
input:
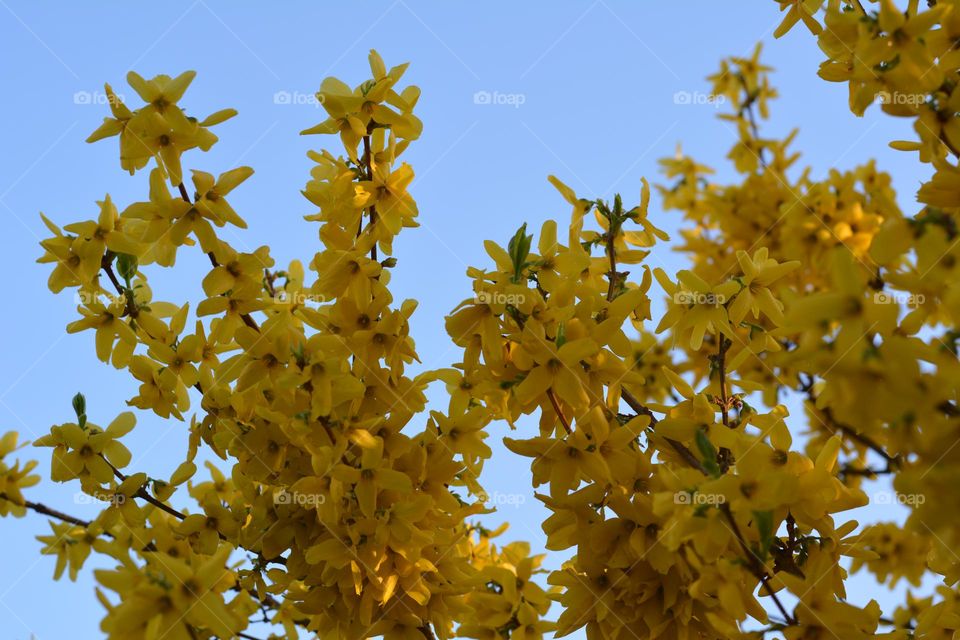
(80, 408)
(764, 520)
(561, 336)
(127, 267)
(518, 249)
(708, 452)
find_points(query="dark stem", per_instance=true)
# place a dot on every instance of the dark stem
(43, 509)
(247, 320)
(756, 566)
(368, 167)
(559, 411)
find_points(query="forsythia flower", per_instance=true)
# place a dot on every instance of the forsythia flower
(666, 458)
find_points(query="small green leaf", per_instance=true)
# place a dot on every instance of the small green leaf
(708, 452)
(764, 520)
(561, 336)
(127, 267)
(518, 249)
(80, 408)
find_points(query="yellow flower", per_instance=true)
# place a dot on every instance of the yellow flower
(14, 478)
(695, 306)
(372, 476)
(87, 452)
(551, 367)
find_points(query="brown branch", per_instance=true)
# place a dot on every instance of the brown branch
(677, 446)
(806, 387)
(142, 494)
(746, 112)
(612, 255)
(247, 319)
(694, 462)
(43, 509)
(756, 566)
(106, 263)
(866, 472)
(559, 412)
(368, 165)
(868, 442)
(949, 145)
(724, 455)
(628, 397)
(722, 371)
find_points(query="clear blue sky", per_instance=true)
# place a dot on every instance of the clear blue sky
(596, 80)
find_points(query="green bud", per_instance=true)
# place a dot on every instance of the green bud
(127, 267)
(519, 249)
(80, 408)
(708, 452)
(764, 521)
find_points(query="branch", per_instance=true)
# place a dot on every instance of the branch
(628, 397)
(756, 566)
(43, 509)
(724, 455)
(867, 472)
(142, 493)
(368, 165)
(722, 371)
(746, 110)
(106, 263)
(247, 319)
(678, 446)
(893, 462)
(559, 412)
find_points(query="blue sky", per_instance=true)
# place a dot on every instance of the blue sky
(583, 90)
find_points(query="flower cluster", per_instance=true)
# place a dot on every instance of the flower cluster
(684, 498)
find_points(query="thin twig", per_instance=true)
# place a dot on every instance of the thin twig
(142, 494)
(559, 411)
(831, 421)
(43, 509)
(247, 319)
(756, 566)
(368, 166)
